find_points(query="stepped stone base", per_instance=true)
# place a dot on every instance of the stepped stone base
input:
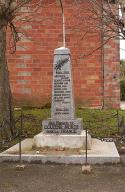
(67, 141)
(100, 153)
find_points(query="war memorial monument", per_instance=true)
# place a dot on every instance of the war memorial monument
(63, 130)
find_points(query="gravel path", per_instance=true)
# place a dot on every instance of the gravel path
(61, 178)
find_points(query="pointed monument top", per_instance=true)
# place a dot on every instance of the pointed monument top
(62, 51)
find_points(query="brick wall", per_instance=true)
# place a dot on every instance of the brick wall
(111, 74)
(30, 67)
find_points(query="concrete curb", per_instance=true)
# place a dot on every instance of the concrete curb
(71, 159)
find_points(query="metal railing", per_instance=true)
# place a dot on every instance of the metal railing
(95, 126)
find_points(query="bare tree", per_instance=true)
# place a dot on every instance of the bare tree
(106, 16)
(102, 10)
(8, 12)
(112, 14)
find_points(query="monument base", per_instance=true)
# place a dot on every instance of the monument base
(64, 141)
(73, 126)
(101, 152)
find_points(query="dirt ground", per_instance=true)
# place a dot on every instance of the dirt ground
(61, 178)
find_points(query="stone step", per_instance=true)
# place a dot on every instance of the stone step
(66, 141)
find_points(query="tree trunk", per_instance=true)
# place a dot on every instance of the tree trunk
(6, 109)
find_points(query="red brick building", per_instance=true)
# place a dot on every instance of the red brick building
(95, 70)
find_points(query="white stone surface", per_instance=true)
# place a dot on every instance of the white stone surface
(100, 153)
(67, 141)
(62, 48)
(122, 105)
(62, 90)
(26, 145)
(63, 120)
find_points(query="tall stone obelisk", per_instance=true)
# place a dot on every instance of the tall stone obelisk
(63, 129)
(63, 119)
(62, 92)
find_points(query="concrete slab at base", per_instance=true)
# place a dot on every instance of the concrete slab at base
(59, 159)
(100, 153)
(26, 145)
(67, 141)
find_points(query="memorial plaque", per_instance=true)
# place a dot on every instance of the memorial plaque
(63, 126)
(63, 119)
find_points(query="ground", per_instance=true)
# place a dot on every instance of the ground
(61, 178)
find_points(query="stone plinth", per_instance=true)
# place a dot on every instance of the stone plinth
(62, 126)
(101, 152)
(66, 141)
(26, 145)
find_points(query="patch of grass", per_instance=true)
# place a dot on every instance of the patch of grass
(100, 123)
(32, 120)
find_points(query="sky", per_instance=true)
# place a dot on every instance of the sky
(122, 44)
(122, 49)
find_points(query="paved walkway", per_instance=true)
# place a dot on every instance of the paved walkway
(61, 178)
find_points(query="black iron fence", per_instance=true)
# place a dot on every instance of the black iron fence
(109, 127)
(24, 126)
